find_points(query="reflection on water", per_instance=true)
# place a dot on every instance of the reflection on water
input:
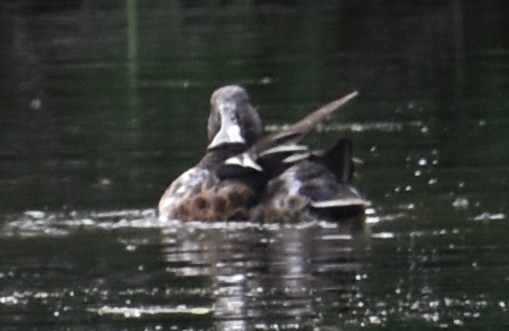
(76, 271)
(242, 275)
(291, 275)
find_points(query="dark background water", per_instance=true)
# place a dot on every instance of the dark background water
(102, 104)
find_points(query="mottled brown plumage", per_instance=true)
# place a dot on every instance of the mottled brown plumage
(243, 176)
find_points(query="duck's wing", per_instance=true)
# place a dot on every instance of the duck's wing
(297, 131)
(281, 148)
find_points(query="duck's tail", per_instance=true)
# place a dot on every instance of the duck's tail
(339, 160)
(347, 201)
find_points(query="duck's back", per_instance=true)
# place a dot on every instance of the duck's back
(318, 186)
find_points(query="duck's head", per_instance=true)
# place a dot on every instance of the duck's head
(232, 119)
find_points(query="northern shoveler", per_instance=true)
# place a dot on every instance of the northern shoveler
(246, 176)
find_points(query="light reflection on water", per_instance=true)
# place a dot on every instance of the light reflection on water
(293, 274)
(240, 272)
(239, 275)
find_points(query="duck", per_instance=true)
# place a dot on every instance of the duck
(317, 186)
(199, 194)
(246, 176)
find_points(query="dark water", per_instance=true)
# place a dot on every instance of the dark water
(102, 104)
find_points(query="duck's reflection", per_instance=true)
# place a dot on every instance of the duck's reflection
(292, 276)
